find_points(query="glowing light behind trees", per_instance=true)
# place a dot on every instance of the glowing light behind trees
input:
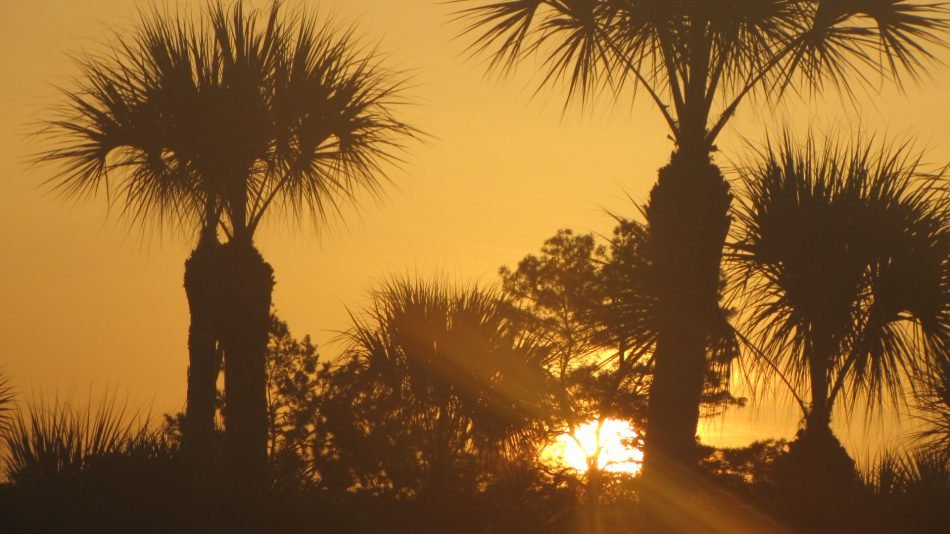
(611, 447)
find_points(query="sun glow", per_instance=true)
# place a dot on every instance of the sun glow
(609, 444)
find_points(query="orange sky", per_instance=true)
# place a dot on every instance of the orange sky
(87, 304)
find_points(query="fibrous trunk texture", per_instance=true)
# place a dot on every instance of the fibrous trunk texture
(688, 217)
(818, 419)
(247, 284)
(202, 290)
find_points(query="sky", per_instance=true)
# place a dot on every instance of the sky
(89, 305)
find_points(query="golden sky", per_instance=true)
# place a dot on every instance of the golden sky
(89, 305)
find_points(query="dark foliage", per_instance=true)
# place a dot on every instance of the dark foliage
(932, 404)
(697, 61)
(818, 487)
(909, 492)
(746, 471)
(212, 123)
(88, 471)
(843, 258)
(595, 306)
(6, 401)
(440, 380)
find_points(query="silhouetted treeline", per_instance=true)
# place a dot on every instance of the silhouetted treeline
(822, 271)
(438, 411)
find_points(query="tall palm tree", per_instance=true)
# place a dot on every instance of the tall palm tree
(220, 121)
(844, 254)
(134, 119)
(697, 61)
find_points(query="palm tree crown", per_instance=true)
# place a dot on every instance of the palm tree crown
(455, 362)
(698, 61)
(222, 119)
(845, 255)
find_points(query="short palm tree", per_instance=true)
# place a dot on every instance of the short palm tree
(844, 256)
(453, 371)
(215, 123)
(697, 61)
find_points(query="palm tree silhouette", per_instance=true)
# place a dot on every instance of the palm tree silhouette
(219, 122)
(450, 367)
(844, 255)
(697, 62)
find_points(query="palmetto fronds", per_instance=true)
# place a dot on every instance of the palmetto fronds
(47, 440)
(450, 362)
(844, 255)
(692, 55)
(6, 401)
(223, 117)
(915, 475)
(933, 405)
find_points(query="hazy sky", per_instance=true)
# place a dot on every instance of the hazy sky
(88, 304)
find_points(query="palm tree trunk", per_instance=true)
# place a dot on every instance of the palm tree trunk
(437, 494)
(688, 222)
(201, 275)
(818, 419)
(246, 299)
(688, 218)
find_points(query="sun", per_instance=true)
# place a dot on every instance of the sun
(576, 449)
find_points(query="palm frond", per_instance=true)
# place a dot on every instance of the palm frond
(50, 439)
(932, 405)
(905, 32)
(844, 247)
(218, 118)
(6, 402)
(450, 352)
(840, 40)
(506, 26)
(728, 49)
(120, 127)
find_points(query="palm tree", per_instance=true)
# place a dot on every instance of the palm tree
(450, 369)
(844, 255)
(216, 123)
(697, 61)
(134, 119)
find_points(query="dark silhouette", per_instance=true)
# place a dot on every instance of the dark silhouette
(293, 391)
(62, 463)
(217, 123)
(688, 57)
(843, 256)
(600, 371)
(435, 387)
(932, 404)
(351, 445)
(843, 261)
(6, 401)
(595, 306)
(204, 350)
(439, 411)
(908, 492)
